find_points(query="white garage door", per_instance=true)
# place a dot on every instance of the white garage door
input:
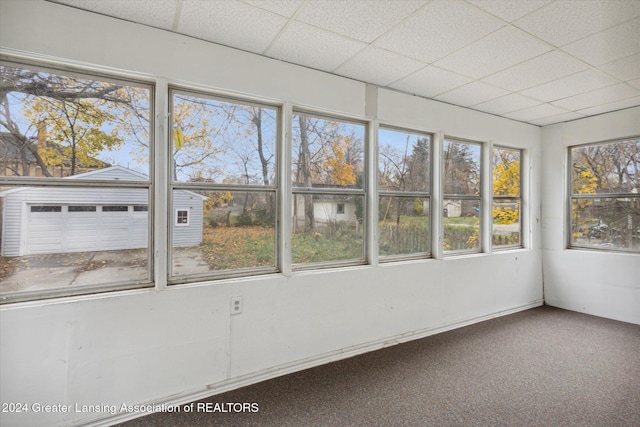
(83, 228)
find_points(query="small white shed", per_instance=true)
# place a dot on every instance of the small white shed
(40, 220)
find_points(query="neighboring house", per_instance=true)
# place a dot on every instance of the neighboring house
(452, 208)
(327, 209)
(39, 220)
(17, 158)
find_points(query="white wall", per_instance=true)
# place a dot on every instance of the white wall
(181, 343)
(598, 283)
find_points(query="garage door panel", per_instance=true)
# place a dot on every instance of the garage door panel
(85, 229)
(45, 232)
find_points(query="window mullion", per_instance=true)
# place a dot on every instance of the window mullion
(371, 198)
(486, 205)
(286, 197)
(437, 235)
(161, 189)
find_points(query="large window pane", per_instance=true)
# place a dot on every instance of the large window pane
(216, 231)
(327, 153)
(327, 228)
(461, 168)
(52, 242)
(606, 168)
(610, 169)
(506, 222)
(222, 142)
(505, 211)
(403, 226)
(222, 227)
(55, 125)
(606, 223)
(403, 161)
(461, 221)
(461, 216)
(73, 235)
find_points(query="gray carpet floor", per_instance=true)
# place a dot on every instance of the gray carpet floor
(540, 367)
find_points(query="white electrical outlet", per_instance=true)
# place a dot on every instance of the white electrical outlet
(236, 305)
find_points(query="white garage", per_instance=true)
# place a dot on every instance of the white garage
(42, 220)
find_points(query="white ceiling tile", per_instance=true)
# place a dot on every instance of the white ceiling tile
(635, 83)
(281, 7)
(575, 84)
(559, 118)
(312, 47)
(509, 10)
(563, 22)
(430, 81)
(624, 69)
(615, 43)
(614, 106)
(439, 28)
(605, 95)
(378, 66)
(230, 23)
(499, 50)
(364, 20)
(506, 104)
(542, 69)
(538, 112)
(159, 14)
(471, 94)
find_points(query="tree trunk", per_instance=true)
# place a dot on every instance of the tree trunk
(304, 172)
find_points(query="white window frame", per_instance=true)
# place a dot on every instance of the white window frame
(177, 220)
(403, 194)
(494, 197)
(479, 198)
(174, 185)
(53, 182)
(362, 192)
(631, 196)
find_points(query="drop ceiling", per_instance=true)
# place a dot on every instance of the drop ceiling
(535, 61)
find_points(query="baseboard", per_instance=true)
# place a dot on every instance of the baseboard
(303, 364)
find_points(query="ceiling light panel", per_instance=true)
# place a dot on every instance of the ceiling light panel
(499, 50)
(159, 14)
(509, 10)
(312, 47)
(542, 69)
(230, 23)
(559, 118)
(624, 69)
(430, 81)
(563, 22)
(602, 96)
(438, 29)
(575, 84)
(506, 104)
(614, 106)
(364, 20)
(615, 43)
(378, 66)
(471, 94)
(537, 112)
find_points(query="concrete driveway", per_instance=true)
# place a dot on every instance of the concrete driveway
(54, 271)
